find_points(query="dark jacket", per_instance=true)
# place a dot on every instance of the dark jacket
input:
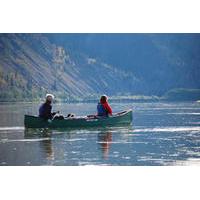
(45, 111)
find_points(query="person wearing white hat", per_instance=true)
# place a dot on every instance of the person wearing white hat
(45, 108)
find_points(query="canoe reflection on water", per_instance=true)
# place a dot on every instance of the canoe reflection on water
(61, 142)
(57, 143)
(45, 142)
(47, 145)
(104, 140)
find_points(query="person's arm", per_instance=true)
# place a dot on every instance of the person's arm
(108, 108)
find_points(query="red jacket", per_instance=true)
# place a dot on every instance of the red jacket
(107, 108)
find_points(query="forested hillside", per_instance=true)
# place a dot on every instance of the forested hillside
(30, 66)
(85, 65)
(161, 61)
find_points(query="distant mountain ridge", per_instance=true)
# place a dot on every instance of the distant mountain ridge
(161, 61)
(31, 65)
(80, 65)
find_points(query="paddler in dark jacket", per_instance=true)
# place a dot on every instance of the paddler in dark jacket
(45, 108)
(103, 107)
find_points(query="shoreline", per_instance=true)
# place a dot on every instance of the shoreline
(111, 101)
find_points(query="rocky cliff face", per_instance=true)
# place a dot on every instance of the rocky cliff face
(88, 64)
(160, 61)
(31, 65)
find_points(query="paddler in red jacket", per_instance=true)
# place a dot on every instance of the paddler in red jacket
(103, 107)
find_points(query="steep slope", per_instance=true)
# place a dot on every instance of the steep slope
(88, 64)
(161, 61)
(31, 65)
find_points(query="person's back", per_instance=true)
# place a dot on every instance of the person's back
(103, 108)
(101, 111)
(45, 111)
(45, 108)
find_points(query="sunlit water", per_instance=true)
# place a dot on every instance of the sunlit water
(161, 134)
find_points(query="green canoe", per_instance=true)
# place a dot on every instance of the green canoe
(119, 119)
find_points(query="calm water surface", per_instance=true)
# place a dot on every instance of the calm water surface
(161, 134)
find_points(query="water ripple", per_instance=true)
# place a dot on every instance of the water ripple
(169, 129)
(12, 128)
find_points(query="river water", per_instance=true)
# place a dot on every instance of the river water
(161, 134)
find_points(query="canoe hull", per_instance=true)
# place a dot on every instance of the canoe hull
(121, 119)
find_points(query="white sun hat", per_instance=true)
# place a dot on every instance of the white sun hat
(105, 96)
(50, 95)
